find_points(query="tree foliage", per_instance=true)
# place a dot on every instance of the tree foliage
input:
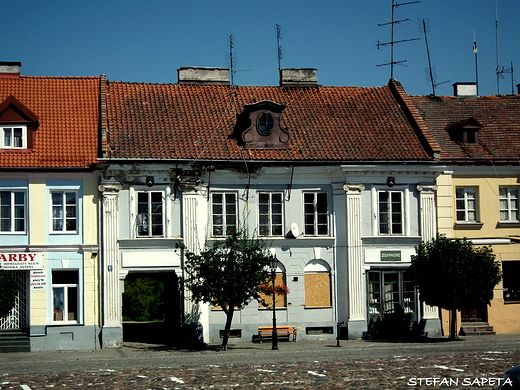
(227, 274)
(8, 293)
(454, 274)
(143, 299)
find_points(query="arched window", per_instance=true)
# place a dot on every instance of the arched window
(266, 301)
(317, 284)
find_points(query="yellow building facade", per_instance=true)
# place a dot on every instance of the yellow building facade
(490, 225)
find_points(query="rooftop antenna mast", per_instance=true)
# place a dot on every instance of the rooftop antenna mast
(392, 42)
(475, 52)
(497, 70)
(231, 66)
(432, 80)
(279, 47)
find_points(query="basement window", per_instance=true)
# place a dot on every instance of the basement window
(233, 333)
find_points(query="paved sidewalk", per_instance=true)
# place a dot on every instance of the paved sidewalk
(477, 361)
(300, 349)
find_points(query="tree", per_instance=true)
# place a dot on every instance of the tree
(454, 275)
(227, 274)
(8, 293)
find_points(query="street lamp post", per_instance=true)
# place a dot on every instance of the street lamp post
(274, 266)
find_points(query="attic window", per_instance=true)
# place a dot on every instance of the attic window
(265, 124)
(470, 135)
(13, 137)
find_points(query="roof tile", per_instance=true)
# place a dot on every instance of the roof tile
(68, 112)
(171, 121)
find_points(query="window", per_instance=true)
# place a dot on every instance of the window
(390, 292)
(270, 213)
(224, 213)
(315, 214)
(14, 137)
(64, 211)
(466, 204)
(390, 212)
(12, 211)
(508, 200)
(317, 284)
(510, 281)
(265, 124)
(150, 214)
(65, 296)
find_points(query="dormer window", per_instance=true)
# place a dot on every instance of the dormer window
(259, 126)
(17, 125)
(465, 132)
(13, 137)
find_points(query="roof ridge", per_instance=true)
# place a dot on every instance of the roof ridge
(414, 116)
(61, 77)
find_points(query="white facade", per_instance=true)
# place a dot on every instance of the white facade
(331, 256)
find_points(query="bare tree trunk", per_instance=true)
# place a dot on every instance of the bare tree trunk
(229, 319)
(453, 325)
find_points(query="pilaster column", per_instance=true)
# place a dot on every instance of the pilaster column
(428, 213)
(111, 299)
(428, 217)
(356, 280)
(194, 206)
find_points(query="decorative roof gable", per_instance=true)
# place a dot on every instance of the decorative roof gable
(259, 126)
(13, 111)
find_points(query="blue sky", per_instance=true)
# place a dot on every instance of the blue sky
(147, 41)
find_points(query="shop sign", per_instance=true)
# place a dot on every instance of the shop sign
(20, 261)
(390, 255)
(38, 280)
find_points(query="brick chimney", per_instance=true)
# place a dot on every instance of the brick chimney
(201, 75)
(10, 69)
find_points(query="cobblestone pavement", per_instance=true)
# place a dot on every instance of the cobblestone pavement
(314, 367)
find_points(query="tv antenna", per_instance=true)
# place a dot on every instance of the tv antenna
(279, 47)
(392, 42)
(231, 67)
(232, 70)
(475, 52)
(432, 80)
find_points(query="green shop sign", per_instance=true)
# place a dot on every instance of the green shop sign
(390, 255)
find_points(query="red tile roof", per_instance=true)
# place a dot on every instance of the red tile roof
(499, 136)
(68, 115)
(171, 121)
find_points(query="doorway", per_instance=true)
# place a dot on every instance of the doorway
(151, 308)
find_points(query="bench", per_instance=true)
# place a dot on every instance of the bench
(282, 332)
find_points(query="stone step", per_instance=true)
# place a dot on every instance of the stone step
(477, 328)
(14, 341)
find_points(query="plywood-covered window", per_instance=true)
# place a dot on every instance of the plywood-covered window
(266, 301)
(317, 284)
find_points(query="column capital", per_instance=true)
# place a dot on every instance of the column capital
(426, 187)
(110, 187)
(353, 187)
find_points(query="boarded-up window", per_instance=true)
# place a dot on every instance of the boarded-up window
(266, 301)
(317, 285)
